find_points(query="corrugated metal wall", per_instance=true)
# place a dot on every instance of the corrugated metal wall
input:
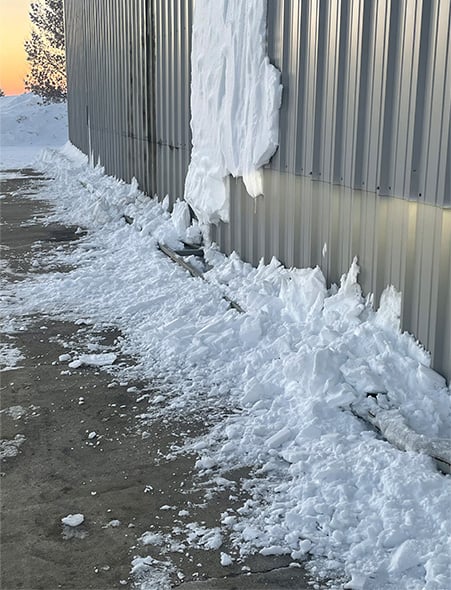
(367, 93)
(364, 163)
(128, 66)
(172, 43)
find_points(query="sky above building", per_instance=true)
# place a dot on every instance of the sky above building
(14, 29)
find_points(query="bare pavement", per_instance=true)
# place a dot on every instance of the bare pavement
(73, 442)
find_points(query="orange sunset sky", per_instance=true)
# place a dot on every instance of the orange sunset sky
(14, 29)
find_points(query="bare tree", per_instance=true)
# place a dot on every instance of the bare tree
(46, 51)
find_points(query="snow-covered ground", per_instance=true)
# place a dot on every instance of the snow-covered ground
(323, 486)
(27, 126)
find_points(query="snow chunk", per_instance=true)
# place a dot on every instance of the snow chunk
(181, 218)
(9, 356)
(226, 559)
(75, 364)
(235, 100)
(98, 360)
(151, 573)
(389, 312)
(273, 550)
(10, 448)
(94, 360)
(202, 537)
(73, 519)
(150, 538)
(279, 438)
(405, 557)
(357, 582)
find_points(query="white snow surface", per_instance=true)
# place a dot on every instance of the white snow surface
(10, 356)
(151, 574)
(235, 100)
(27, 126)
(323, 483)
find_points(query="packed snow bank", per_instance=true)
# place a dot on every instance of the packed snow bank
(235, 99)
(27, 126)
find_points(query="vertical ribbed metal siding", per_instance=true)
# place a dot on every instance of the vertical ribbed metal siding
(172, 34)
(129, 74)
(76, 72)
(367, 93)
(367, 90)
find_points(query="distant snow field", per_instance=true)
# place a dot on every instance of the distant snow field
(27, 126)
(324, 487)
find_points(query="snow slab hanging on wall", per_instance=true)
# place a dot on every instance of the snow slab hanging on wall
(235, 100)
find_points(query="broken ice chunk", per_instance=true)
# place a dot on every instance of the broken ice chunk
(226, 559)
(73, 519)
(75, 364)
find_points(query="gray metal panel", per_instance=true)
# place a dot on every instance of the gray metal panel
(172, 36)
(129, 73)
(366, 103)
(76, 68)
(367, 93)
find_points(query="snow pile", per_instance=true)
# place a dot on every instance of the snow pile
(93, 360)
(27, 126)
(15, 412)
(9, 356)
(324, 486)
(10, 447)
(151, 574)
(235, 99)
